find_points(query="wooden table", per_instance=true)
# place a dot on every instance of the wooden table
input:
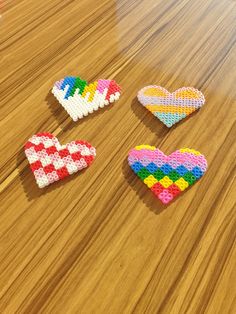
(99, 242)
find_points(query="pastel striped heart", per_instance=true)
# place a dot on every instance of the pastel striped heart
(51, 162)
(79, 99)
(167, 176)
(171, 108)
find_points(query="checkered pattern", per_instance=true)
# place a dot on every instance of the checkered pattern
(51, 162)
(171, 108)
(167, 176)
(80, 98)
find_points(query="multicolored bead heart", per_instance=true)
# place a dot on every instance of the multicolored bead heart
(167, 176)
(171, 108)
(79, 99)
(51, 162)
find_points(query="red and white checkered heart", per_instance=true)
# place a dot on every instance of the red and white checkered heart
(50, 161)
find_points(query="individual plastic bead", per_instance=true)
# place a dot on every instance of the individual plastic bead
(165, 197)
(152, 167)
(190, 178)
(174, 190)
(182, 184)
(166, 168)
(150, 181)
(159, 174)
(197, 172)
(137, 166)
(143, 173)
(173, 175)
(181, 170)
(166, 181)
(157, 188)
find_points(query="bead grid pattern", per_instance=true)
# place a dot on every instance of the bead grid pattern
(51, 161)
(79, 99)
(171, 108)
(167, 176)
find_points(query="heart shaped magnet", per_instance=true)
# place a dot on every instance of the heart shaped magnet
(167, 176)
(50, 161)
(80, 98)
(168, 107)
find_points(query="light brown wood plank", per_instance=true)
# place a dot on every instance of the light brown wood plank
(99, 241)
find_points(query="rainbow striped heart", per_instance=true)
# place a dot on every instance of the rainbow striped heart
(167, 176)
(79, 99)
(171, 108)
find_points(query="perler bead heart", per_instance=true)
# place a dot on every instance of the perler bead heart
(171, 108)
(51, 162)
(167, 176)
(79, 99)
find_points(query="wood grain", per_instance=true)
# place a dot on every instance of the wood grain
(99, 242)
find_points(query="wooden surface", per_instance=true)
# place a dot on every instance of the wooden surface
(99, 242)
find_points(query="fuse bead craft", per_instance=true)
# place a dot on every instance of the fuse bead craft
(167, 176)
(170, 108)
(79, 99)
(50, 161)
